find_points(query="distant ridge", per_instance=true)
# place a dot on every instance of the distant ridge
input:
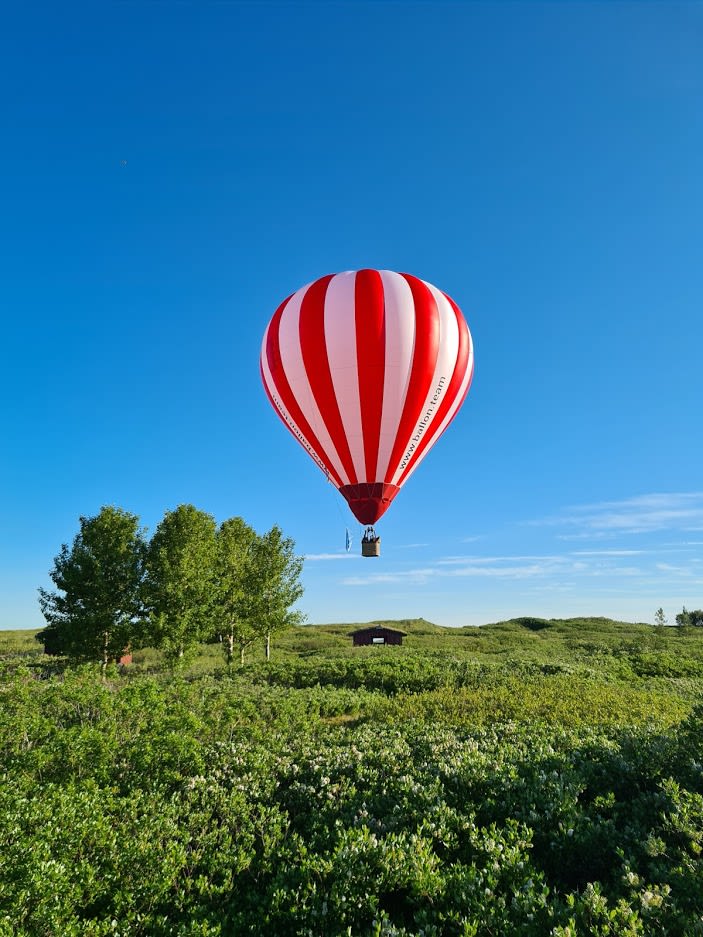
(409, 625)
(422, 626)
(592, 624)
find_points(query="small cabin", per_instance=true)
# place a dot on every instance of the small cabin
(377, 634)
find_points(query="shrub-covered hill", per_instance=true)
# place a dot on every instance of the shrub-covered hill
(409, 625)
(615, 648)
(611, 649)
(525, 778)
(19, 642)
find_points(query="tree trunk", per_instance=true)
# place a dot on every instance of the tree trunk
(106, 636)
(268, 645)
(230, 649)
(241, 655)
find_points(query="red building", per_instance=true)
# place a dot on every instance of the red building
(377, 634)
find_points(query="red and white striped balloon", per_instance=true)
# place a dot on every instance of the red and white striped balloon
(367, 369)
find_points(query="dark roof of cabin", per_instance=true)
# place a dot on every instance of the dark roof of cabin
(379, 629)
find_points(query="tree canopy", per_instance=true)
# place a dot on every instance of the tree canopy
(234, 543)
(115, 589)
(95, 613)
(692, 619)
(274, 584)
(180, 580)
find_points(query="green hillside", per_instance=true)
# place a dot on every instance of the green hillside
(597, 646)
(529, 777)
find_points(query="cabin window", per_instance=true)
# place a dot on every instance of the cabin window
(379, 640)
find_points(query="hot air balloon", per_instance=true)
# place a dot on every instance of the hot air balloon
(366, 369)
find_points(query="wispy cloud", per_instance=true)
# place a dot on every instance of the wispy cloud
(548, 568)
(604, 566)
(516, 571)
(589, 535)
(485, 567)
(315, 557)
(492, 560)
(641, 514)
(683, 571)
(609, 552)
(407, 577)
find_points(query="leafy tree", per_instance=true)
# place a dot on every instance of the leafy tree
(96, 611)
(180, 571)
(692, 619)
(273, 584)
(234, 542)
(660, 618)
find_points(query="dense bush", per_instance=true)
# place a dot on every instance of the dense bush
(399, 794)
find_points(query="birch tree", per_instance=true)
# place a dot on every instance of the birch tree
(234, 542)
(180, 576)
(274, 585)
(95, 612)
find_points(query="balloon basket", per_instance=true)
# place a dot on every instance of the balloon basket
(370, 543)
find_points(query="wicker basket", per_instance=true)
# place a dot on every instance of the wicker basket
(371, 547)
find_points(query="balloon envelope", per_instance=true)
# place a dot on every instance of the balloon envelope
(367, 369)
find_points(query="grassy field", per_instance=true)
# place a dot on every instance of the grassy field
(589, 642)
(527, 777)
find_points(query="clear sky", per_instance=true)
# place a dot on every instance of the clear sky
(170, 172)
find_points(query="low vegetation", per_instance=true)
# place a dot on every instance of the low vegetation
(527, 777)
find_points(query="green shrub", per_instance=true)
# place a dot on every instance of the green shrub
(402, 793)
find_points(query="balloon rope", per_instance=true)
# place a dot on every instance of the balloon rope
(336, 497)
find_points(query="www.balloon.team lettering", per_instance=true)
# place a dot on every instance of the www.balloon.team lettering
(421, 426)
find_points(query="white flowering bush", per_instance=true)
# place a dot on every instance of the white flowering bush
(296, 802)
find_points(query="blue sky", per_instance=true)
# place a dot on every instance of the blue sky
(172, 171)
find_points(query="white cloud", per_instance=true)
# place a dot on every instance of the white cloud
(489, 567)
(520, 571)
(676, 570)
(584, 535)
(609, 552)
(314, 557)
(641, 514)
(412, 576)
(464, 560)
(592, 570)
(617, 571)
